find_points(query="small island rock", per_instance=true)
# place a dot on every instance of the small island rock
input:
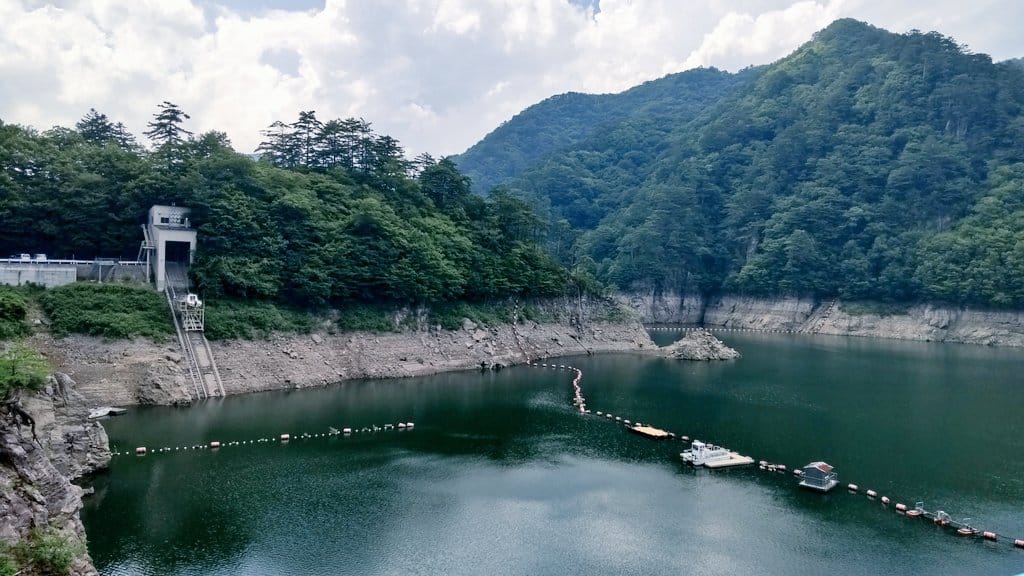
(699, 345)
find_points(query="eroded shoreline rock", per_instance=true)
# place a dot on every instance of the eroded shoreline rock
(699, 345)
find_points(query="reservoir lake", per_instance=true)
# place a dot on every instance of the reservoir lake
(501, 476)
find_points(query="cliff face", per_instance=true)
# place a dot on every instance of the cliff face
(35, 477)
(921, 322)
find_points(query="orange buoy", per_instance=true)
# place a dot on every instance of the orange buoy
(989, 536)
(852, 487)
(871, 493)
(214, 444)
(285, 437)
(900, 507)
(885, 500)
(141, 450)
(1018, 543)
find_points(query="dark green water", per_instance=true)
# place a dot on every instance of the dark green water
(500, 477)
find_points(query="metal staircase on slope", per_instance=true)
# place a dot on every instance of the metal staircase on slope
(199, 359)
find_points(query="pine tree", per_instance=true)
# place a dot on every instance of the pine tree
(166, 125)
(96, 128)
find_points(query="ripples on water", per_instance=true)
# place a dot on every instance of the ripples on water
(501, 477)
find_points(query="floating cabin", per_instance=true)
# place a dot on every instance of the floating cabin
(819, 476)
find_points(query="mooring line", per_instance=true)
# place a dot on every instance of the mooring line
(280, 438)
(940, 517)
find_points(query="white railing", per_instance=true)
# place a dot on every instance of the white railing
(73, 262)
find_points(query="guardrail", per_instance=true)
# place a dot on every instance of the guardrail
(104, 262)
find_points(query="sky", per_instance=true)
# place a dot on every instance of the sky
(438, 75)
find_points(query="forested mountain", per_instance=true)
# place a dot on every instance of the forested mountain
(561, 123)
(331, 214)
(864, 165)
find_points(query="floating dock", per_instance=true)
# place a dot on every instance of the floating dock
(734, 459)
(651, 432)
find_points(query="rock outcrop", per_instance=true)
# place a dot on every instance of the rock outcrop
(120, 372)
(36, 492)
(74, 444)
(699, 345)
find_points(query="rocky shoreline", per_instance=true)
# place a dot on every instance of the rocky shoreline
(37, 476)
(923, 322)
(130, 372)
(124, 373)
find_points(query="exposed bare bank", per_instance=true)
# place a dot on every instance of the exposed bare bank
(921, 322)
(141, 372)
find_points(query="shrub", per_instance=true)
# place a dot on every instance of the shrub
(13, 313)
(8, 567)
(108, 310)
(366, 318)
(21, 367)
(451, 315)
(249, 319)
(47, 552)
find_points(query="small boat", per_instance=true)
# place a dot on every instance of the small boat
(711, 456)
(106, 411)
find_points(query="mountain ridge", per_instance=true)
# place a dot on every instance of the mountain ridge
(865, 164)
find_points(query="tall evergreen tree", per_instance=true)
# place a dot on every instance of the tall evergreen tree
(96, 128)
(306, 132)
(165, 128)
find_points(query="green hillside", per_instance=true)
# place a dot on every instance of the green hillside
(864, 165)
(332, 215)
(562, 123)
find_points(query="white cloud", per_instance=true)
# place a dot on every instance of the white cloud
(741, 38)
(436, 74)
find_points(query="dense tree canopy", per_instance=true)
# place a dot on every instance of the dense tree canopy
(864, 165)
(331, 213)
